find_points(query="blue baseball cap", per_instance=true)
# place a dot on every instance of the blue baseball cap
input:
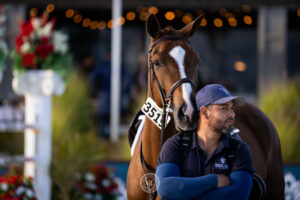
(216, 94)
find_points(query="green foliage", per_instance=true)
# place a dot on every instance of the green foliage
(282, 104)
(60, 63)
(62, 67)
(17, 61)
(74, 143)
(12, 143)
(2, 60)
(3, 54)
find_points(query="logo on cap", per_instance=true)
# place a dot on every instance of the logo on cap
(224, 90)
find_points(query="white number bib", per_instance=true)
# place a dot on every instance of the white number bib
(154, 112)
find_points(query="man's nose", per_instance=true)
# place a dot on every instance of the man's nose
(231, 113)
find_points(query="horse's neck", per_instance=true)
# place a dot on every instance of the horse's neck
(151, 140)
(151, 133)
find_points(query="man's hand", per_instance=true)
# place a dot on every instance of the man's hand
(223, 180)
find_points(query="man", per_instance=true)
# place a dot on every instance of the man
(215, 165)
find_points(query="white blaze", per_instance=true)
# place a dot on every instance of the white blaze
(178, 53)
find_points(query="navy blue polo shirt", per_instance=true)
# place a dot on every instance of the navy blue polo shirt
(223, 160)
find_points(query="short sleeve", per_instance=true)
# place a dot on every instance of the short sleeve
(170, 152)
(242, 159)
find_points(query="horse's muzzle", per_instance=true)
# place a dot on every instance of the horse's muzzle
(185, 120)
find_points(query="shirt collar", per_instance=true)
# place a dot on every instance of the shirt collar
(224, 142)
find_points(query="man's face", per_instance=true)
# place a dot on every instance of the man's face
(221, 117)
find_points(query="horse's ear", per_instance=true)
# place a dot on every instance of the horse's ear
(192, 27)
(153, 26)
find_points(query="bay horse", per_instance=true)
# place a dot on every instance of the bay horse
(172, 69)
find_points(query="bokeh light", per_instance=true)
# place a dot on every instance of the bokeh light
(70, 13)
(187, 18)
(110, 24)
(240, 66)
(153, 10)
(169, 15)
(246, 8)
(247, 20)
(77, 18)
(223, 12)
(94, 25)
(101, 25)
(218, 22)
(143, 16)
(203, 22)
(130, 16)
(50, 7)
(178, 13)
(232, 22)
(121, 21)
(33, 12)
(86, 22)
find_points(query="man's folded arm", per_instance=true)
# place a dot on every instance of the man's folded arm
(239, 189)
(172, 186)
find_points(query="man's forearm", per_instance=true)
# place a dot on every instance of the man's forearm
(240, 188)
(172, 186)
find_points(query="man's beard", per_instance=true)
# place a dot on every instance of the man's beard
(218, 126)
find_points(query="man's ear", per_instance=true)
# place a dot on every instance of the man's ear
(203, 111)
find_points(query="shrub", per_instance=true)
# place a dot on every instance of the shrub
(282, 104)
(74, 143)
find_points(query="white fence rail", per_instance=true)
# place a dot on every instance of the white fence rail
(11, 118)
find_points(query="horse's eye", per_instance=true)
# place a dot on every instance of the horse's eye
(156, 63)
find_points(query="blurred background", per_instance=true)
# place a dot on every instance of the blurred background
(252, 47)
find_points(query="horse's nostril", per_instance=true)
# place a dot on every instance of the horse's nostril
(182, 117)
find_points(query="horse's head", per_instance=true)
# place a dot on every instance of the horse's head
(173, 68)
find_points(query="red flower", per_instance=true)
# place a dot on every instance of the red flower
(99, 190)
(29, 60)
(26, 28)
(53, 21)
(44, 39)
(19, 42)
(43, 50)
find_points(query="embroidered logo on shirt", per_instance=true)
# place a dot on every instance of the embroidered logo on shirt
(221, 163)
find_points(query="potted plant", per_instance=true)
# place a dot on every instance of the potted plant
(40, 47)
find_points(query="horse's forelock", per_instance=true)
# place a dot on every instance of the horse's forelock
(169, 30)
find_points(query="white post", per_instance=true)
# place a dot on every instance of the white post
(38, 141)
(116, 41)
(271, 46)
(38, 87)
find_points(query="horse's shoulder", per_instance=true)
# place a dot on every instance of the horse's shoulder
(258, 123)
(252, 113)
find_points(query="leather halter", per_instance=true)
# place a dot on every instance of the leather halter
(165, 98)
